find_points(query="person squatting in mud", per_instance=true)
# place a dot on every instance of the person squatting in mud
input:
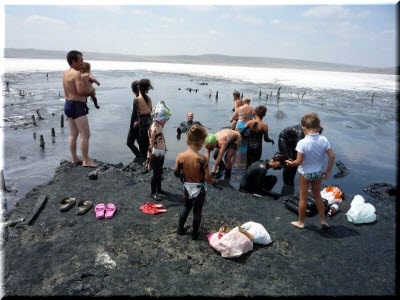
(310, 157)
(225, 142)
(192, 169)
(254, 131)
(157, 149)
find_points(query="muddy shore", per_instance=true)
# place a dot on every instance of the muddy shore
(59, 254)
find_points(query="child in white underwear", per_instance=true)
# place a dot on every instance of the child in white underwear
(192, 168)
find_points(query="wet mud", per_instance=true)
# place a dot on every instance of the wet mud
(136, 254)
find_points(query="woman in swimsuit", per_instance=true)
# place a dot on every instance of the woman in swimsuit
(244, 113)
(226, 142)
(237, 102)
(192, 168)
(142, 106)
(133, 134)
(258, 129)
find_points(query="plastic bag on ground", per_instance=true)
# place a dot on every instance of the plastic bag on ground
(231, 244)
(333, 194)
(361, 212)
(260, 234)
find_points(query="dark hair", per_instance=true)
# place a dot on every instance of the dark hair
(72, 55)
(236, 94)
(311, 121)
(144, 87)
(135, 87)
(196, 135)
(85, 67)
(260, 111)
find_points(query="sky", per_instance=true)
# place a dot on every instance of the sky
(357, 34)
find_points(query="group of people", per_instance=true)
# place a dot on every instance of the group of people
(300, 145)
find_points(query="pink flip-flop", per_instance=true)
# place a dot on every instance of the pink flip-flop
(110, 210)
(100, 209)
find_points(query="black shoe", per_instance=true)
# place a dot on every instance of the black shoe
(155, 197)
(182, 231)
(195, 237)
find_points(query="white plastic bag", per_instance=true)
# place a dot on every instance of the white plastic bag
(361, 212)
(231, 244)
(260, 234)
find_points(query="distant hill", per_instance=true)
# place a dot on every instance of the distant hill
(205, 59)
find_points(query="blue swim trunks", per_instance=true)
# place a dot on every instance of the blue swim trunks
(240, 125)
(312, 176)
(75, 109)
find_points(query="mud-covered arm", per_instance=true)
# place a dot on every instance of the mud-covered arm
(93, 79)
(134, 116)
(297, 162)
(178, 169)
(266, 137)
(234, 116)
(80, 86)
(221, 153)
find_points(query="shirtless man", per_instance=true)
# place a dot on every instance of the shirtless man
(237, 102)
(75, 108)
(226, 141)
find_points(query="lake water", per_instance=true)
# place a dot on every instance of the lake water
(363, 133)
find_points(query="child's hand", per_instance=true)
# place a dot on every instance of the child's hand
(289, 163)
(325, 175)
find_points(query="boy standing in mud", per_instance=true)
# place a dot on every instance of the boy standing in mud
(192, 168)
(75, 108)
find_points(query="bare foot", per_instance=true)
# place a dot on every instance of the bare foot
(298, 224)
(89, 164)
(325, 225)
(77, 161)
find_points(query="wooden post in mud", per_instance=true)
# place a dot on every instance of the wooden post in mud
(53, 133)
(216, 96)
(271, 94)
(304, 94)
(278, 94)
(266, 96)
(298, 95)
(62, 121)
(40, 117)
(259, 95)
(2, 183)
(241, 96)
(34, 135)
(34, 120)
(7, 86)
(41, 141)
(372, 99)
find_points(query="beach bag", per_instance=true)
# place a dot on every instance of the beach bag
(292, 203)
(161, 112)
(360, 212)
(260, 234)
(332, 194)
(231, 244)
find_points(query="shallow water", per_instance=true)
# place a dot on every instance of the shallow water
(362, 133)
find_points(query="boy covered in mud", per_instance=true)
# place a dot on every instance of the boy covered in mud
(192, 169)
(88, 81)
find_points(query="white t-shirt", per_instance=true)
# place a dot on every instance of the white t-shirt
(313, 147)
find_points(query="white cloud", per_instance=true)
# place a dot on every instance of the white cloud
(36, 19)
(213, 32)
(344, 29)
(250, 20)
(199, 8)
(275, 21)
(334, 11)
(140, 12)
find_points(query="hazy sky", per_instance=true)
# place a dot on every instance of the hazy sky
(361, 34)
